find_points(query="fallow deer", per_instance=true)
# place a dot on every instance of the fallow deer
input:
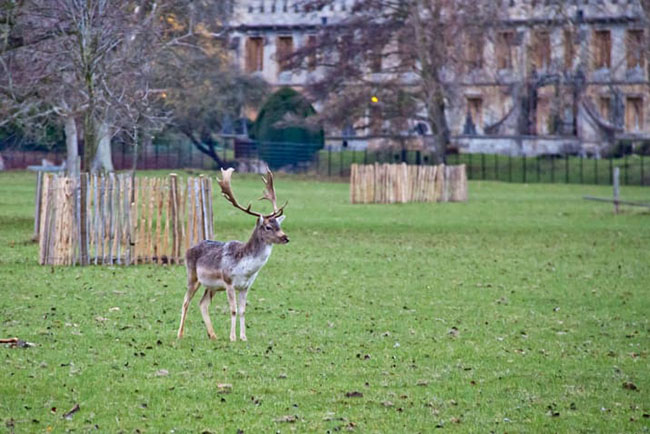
(232, 266)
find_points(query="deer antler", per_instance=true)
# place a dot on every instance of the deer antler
(226, 191)
(269, 194)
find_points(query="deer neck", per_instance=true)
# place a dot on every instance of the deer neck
(256, 246)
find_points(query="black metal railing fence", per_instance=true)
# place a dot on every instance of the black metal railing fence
(335, 162)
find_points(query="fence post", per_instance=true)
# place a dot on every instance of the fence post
(566, 168)
(611, 167)
(37, 211)
(205, 210)
(83, 216)
(175, 221)
(329, 161)
(582, 160)
(470, 166)
(642, 180)
(616, 184)
(44, 220)
(552, 168)
(483, 166)
(510, 168)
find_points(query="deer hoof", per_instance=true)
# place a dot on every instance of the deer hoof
(243, 338)
(233, 338)
(212, 336)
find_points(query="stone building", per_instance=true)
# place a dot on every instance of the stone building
(545, 80)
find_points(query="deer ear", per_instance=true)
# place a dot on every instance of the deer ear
(280, 219)
(260, 221)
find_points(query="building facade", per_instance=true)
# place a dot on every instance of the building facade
(547, 79)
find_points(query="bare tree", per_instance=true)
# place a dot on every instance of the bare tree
(127, 67)
(205, 99)
(201, 87)
(390, 61)
(18, 96)
(389, 64)
(77, 59)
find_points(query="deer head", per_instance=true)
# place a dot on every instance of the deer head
(268, 225)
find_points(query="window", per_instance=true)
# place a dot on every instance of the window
(312, 58)
(542, 49)
(604, 104)
(254, 54)
(543, 113)
(475, 51)
(505, 42)
(634, 44)
(602, 48)
(475, 110)
(634, 114)
(569, 49)
(284, 49)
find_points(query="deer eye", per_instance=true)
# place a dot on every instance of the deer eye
(268, 227)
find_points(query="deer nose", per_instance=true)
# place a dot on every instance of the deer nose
(285, 239)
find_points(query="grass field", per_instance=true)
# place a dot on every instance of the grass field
(523, 310)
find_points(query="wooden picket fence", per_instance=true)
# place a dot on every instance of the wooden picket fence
(401, 183)
(119, 220)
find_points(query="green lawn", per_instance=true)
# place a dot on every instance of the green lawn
(524, 310)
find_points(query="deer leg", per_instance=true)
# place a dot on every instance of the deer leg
(232, 301)
(192, 286)
(204, 305)
(242, 313)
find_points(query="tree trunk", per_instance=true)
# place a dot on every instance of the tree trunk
(439, 128)
(103, 160)
(431, 85)
(134, 161)
(89, 142)
(71, 145)
(206, 146)
(209, 150)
